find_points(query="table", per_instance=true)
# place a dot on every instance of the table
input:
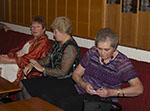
(7, 87)
(32, 104)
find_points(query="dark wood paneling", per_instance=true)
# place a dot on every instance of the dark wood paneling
(83, 6)
(14, 11)
(27, 12)
(51, 12)
(96, 17)
(2, 17)
(61, 8)
(42, 8)
(20, 12)
(35, 8)
(129, 29)
(112, 18)
(143, 41)
(72, 13)
(6, 11)
(87, 17)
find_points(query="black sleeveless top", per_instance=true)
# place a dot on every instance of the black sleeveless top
(57, 52)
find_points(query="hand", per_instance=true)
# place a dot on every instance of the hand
(19, 53)
(36, 65)
(27, 69)
(6, 28)
(89, 89)
(103, 92)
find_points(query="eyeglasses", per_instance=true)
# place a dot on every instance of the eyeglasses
(36, 26)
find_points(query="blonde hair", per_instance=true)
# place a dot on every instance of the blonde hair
(62, 24)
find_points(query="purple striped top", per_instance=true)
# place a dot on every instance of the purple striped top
(109, 75)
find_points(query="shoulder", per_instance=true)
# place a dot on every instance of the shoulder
(43, 37)
(70, 48)
(92, 51)
(71, 44)
(123, 61)
(43, 40)
(121, 57)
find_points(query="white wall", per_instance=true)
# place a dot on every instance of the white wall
(137, 54)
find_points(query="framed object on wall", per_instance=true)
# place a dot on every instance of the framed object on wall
(113, 1)
(129, 6)
(144, 5)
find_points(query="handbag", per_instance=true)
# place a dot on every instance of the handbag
(101, 105)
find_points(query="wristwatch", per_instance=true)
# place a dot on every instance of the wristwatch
(44, 72)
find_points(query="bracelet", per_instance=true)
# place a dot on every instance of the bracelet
(118, 92)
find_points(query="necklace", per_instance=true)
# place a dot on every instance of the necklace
(111, 59)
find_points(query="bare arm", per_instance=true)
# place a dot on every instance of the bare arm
(4, 59)
(135, 89)
(77, 77)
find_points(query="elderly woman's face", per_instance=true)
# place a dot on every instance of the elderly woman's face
(58, 35)
(105, 49)
(36, 29)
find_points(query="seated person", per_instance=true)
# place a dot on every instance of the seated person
(57, 66)
(4, 27)
(12, 64)
(99, 74)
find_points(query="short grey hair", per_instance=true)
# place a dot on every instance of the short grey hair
(62, 24)
(107, 34)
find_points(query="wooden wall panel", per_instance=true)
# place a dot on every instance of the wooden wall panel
(51, 12)
(42, 8)
(14, 11)
(61, 8)
(72, 13)
(20, 12)
(6, 11)
(143, 41)
(35, 8)
(148, 31)
(2, 3)
(87, 17)
(83, 6)
(27, 12)
(96, 17)
(129, 29)
(112, 18)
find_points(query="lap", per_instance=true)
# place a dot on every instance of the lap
(76, 102)
(49, 89)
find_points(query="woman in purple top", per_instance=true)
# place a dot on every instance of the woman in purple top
(100, 74)
(103, 69)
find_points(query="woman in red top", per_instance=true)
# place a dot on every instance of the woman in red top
(37, 47)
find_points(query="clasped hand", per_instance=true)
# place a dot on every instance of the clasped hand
(33, 63)
(102, 92)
